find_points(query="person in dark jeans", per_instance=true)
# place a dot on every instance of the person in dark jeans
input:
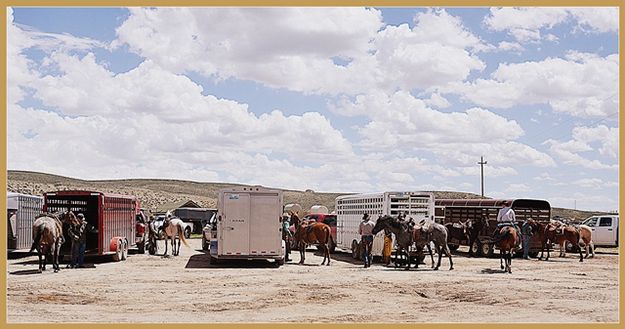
(366, 233)
(286, 235)
(526, 234)
(78, 234)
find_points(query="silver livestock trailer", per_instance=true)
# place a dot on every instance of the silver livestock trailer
(21, 212)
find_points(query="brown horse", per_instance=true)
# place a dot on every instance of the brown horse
(312, 232)
(557, 232)
(47, 239)
(507, 245)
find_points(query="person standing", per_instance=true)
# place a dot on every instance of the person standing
(388, 247)
(366, 237)
(78, 233)
(286, 235)
(526, 233)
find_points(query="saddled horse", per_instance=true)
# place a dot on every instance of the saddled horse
(402, 231)
(460, 231)
(507, 243)
(48, 238)
(426, 231)
(557, 232)
(312, 232)
(173, 228)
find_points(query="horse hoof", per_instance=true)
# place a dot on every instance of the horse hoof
(435, 269)
(502, 267)
(451, 268)
(56, 271)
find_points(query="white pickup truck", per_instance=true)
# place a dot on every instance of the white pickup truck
(604, 229)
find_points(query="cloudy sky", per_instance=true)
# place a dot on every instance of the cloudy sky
(329, 99)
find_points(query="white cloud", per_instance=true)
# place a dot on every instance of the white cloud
(570, 151)
(510, 46)
(583, 85)
(525, 24)
(594, 183)
(297, 47)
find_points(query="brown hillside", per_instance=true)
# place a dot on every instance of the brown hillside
(154, 192)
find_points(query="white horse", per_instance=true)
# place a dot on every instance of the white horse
(173, 230)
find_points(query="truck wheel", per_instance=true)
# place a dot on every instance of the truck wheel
(141, 247)
(187, 233)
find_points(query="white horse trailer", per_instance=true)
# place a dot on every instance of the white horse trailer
(249, 225)
(350, 208)
(21, 211)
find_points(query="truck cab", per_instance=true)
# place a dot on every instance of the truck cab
(604, 229)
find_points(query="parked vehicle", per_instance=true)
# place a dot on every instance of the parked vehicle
(158, 224)
(198, 217)
(110, 219)
(21, 212)
(328, 219)
(463, 210)
(248, 225)
(141, 222)
(604, 230)
(350, 208)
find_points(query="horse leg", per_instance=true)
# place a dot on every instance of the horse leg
(328, 253)
(509, 261)
(592, 249)
(165, 253)
(439, 250)
(501, 258)
(302, 251)
(40, 259)
(408, 260)
(431, 255)
(548, 249)
(451, 262)
(581, 256)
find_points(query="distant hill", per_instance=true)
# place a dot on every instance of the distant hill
(155, 192)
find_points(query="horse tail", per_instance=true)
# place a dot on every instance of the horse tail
(331, 239)
(36, 238)
(181, 236)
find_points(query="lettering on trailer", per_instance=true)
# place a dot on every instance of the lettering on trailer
(239, 220)
(233, 197)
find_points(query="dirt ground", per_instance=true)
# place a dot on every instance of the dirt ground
(147, 288)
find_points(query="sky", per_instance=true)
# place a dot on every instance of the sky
(329, 99)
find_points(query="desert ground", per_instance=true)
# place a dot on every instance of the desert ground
(186, 288)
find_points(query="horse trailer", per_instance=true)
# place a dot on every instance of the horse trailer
(350, 208)
(463, 210)
(110, 220)
(248, 225)
(21, 212)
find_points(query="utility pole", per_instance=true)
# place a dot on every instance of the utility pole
(482, 163)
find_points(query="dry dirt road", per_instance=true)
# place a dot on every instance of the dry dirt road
(187, 289)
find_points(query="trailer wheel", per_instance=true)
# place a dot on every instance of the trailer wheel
(476, 248)
(332, 246)
(124, 249)
(453, 247)
(187, 233)
(117, 256)
(152, 248)
(488, 249)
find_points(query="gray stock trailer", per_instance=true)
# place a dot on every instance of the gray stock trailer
(21, 212)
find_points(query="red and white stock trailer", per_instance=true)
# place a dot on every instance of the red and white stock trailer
(110, 219)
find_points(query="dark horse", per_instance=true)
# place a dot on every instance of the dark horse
(402, 231)
(312, 232)
(507, 245)
(460, 231)
(48, 238)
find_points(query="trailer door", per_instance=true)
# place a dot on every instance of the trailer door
(235, 226)
(265, 235)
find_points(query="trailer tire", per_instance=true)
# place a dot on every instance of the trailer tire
(124, 249)
(187, 232)
(488, 250)
(476, 247)
(453, 247)
(117, 256)
(332, 246)
(152, 249)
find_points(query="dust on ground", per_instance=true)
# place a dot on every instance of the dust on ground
(186, 288)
